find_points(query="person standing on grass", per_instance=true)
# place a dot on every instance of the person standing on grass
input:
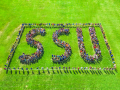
(43, 69)
(98, 68)
(81, 68)
(69, 68)
(75, 68)
(110, 69)
(19, 70)
(7, 61)
(38, 70)
(95, 68)
(110, 51)
(104, 68)
(111, 55)
(90, 68)
(63, 67)
(56, 68)
(112, 59)
(5, 65)
(72, 68)
(23, 71)
(114, 66)
(11, 70)
(84, 68)
(27, 70)
(23, 55)
(59, 67)
(66, 68)
(107, 68)
(47, 69)
(14, 68)
(52, 68)
(5, 68)
(31, 68)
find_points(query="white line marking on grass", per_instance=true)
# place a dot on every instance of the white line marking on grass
(6, 26)
(17, 29)
(4, 29)
(0, 70)
(8, 37)
(26, 86)
(0, 33)
(69, 2)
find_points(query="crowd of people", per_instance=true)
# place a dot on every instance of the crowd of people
(67, 53)
(29, 38)
(62, 24)
(108, 47)
(95, 42)
(58, 58)
(15, 45)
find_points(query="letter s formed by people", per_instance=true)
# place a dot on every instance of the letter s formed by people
(63, 44)
(29, 38)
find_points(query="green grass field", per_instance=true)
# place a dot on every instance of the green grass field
(15, 12)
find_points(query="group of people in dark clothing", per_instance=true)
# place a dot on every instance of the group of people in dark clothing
(29, 38)
(67, 53)
(95, 42)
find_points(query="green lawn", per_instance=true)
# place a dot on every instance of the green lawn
(50, 48)
(15, 12)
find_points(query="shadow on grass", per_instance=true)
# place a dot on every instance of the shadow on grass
(65, 71)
